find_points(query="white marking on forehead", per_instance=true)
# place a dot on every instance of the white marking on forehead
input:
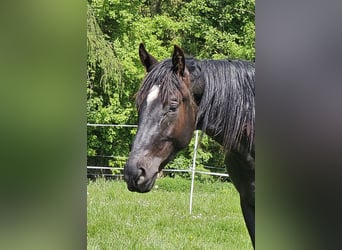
(153, 94)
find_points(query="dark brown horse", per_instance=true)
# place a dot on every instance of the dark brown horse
(179, 95)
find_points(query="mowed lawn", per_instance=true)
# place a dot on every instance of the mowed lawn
(160, 219)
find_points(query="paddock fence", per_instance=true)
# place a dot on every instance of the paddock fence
(105, 171)
(94, 172)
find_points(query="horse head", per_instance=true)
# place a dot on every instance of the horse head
(167, 117)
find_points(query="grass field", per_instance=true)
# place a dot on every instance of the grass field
(160, 219)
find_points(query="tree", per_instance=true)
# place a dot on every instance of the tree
(104, 94)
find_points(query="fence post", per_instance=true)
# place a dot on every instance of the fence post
(193, 170)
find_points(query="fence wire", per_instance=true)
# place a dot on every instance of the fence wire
(191, 169)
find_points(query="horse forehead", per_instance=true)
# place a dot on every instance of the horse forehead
(153, 94)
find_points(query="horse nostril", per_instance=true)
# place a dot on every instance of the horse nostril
(141, 180)
(141, 176)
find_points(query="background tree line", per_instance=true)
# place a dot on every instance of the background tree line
(203, 28)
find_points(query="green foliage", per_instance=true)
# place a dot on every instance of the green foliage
(219, 29)
(203, 28)
(103, 66)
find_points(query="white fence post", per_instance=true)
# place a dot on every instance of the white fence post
(193, 170)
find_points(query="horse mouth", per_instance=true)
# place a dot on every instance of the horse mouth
(142, 184)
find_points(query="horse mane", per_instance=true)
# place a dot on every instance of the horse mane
(227, 106)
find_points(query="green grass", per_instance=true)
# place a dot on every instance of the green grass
(160, 219)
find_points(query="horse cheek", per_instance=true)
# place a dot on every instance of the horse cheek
(185, 126)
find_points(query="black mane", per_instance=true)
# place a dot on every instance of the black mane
(227, 107)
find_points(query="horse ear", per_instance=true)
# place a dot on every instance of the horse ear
(178, 60)
(146, 59)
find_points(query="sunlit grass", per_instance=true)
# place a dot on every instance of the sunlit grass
(160, 219)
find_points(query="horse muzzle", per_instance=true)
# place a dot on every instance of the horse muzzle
(138, 179)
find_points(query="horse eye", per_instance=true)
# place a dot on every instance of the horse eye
(173, 106)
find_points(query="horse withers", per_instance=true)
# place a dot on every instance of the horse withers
(179, 95)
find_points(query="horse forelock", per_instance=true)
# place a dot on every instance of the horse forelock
(169, 84)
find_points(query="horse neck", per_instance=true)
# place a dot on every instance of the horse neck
(210, 131)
